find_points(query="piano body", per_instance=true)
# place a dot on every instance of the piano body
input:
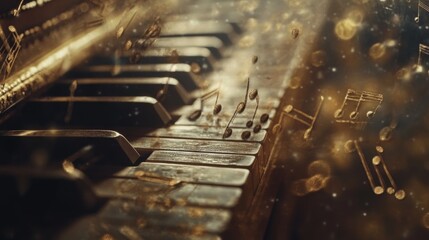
(145, 119)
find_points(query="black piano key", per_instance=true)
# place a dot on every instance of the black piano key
(40, 147)
(182, 72)
(174, 94)
(96, 112)
(59, 191)
(199, 58)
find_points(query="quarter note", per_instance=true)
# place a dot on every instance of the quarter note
(301, 117)
(359, 98)
(421, 5)
(217, 108)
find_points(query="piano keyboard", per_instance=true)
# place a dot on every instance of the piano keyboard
(112, 150)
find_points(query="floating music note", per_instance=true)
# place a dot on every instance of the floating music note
(255, 59)
(240, 109)
(295, 33)
(421, 5)
(380, 167)
(10, 51)
(121, 28)
(148, 38)
(217, 108)
(100, 15)
(197, 113)
(422, 49)
(16, 11)
(357, 99)
(174, 59)
(301, 117)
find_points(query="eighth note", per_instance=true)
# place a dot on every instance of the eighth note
(353, 102)
(197, 113)
(301, 117)
(421, 5)
(240, 109)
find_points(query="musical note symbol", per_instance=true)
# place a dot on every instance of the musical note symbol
(149, 37)
(197, 113)
(253, 95)
(240, 109)
(121, 28)
(422, 49)
(255, 59)
(301, 117)
(421, 5)
(358, 98)
(11, 50)
(72, 90)
(16, 11)
(379, 166)
(100, 15)
(263, 119)
(295, 33)
(217, 107)
(174, 59)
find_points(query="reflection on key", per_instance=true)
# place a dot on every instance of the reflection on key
(421, 5)
(380, 168)
(301, 117)
(353, 102)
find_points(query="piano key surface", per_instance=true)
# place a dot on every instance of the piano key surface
(191, 182)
